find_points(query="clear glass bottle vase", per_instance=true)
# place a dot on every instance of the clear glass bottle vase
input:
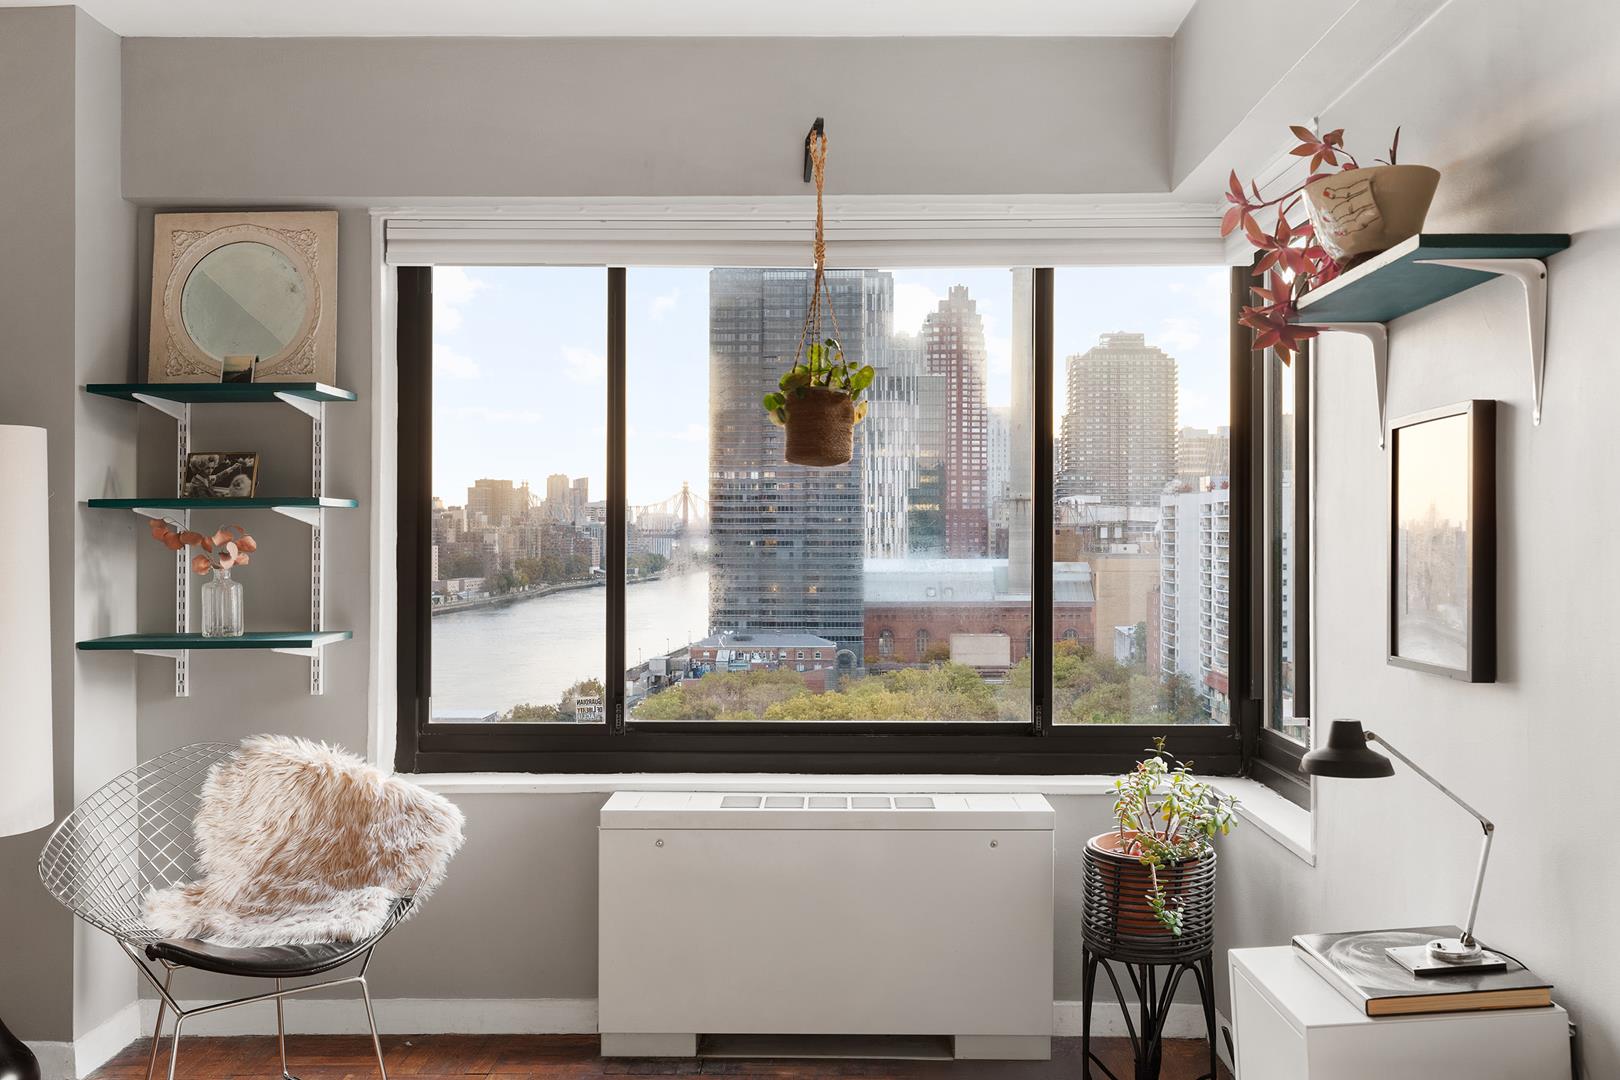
(222, 606)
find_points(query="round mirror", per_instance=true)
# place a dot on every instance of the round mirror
(244, 299)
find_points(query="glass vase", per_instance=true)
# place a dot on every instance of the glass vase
(222, 606)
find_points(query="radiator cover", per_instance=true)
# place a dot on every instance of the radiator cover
(826, 914)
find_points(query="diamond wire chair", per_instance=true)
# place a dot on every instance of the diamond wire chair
(134, 835)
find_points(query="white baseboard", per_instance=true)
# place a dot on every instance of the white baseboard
(543, 1016)
(97, 1046)
(395, 1016)
(55, 1059)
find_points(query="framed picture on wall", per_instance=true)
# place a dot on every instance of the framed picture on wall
(1442, 541)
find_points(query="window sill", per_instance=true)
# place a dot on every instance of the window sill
(1285, 822)
(608, 783)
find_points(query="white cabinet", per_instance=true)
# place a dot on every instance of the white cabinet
(1288, 1024)
(828, 915)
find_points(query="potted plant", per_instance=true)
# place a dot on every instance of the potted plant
(1352, 213)
(819, 403)
(1153, 874)
(230, 546)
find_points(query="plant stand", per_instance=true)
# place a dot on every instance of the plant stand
(1155, 983)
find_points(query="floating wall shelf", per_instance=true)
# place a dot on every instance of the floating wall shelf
(297, 642)
(175, 401)
(1424, 270)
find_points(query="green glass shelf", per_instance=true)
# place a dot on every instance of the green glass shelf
(292, 502)
(1398, 282)
(221, 393)
(257, 639)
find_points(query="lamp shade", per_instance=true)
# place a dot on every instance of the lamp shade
(1346, 755)
(25, 636)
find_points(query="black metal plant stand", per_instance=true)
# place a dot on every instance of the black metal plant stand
(1155, 983)
(1119, 929)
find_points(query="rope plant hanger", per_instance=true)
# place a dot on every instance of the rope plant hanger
(818, 399)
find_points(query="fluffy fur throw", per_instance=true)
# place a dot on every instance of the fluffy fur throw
(301, 843)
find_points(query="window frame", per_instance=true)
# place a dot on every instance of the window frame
(1039, 747)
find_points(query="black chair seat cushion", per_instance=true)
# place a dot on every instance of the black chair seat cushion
(270, 961)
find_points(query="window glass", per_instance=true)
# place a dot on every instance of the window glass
(519, 611)
(900, 581)
(1286, 459)
(1142, 500)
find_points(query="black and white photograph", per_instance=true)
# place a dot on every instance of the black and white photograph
(220, 474)
(1441, 617)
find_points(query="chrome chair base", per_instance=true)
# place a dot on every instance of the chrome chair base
(168, 1004)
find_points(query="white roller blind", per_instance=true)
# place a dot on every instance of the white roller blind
(777, 233)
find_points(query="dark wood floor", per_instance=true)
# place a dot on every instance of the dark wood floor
(574, 1057)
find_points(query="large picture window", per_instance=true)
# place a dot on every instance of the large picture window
(607, 564)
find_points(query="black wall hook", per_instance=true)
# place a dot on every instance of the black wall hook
(817, 128)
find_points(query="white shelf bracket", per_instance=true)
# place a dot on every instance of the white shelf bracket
(1531, 274)
(311, 409)
(173, 517)
(167, 654)
(309, 515)
(307, 653)
(177, 410)
(1377, 335)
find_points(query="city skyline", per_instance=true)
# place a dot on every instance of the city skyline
(520, 368)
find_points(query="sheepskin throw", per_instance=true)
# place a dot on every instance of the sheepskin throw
(300, 843)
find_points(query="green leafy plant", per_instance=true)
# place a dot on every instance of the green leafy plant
(1174, 817)
(824, 367)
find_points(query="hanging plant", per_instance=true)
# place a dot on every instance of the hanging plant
(1353, 212)
(818, 399)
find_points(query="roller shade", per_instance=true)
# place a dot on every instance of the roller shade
(777, 233)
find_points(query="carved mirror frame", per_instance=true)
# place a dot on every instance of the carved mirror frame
(308, 240)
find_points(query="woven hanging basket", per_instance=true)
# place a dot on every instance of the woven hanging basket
(820, 428)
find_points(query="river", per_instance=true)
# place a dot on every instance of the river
(490, 659)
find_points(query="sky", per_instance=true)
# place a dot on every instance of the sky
(520, 369)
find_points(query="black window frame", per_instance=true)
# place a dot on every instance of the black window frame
(1040, 747)
(1277, 755)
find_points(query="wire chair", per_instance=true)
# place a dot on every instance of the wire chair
(134, 835)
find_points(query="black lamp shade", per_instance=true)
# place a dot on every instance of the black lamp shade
(1346, 755)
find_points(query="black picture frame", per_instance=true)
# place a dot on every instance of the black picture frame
(1424, 454)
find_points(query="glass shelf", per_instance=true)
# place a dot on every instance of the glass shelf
(221, 393)
(256, 639)
(291, 502)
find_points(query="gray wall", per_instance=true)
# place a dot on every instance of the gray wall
(273, 120)
(67, 291)
(1503, 100)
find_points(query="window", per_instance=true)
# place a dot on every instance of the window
(1285, 733)
(592, 439)
(1142, 521)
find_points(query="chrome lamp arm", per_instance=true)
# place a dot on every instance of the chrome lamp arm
(1485, 824)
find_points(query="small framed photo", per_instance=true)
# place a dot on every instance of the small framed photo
(1442, 542)
(238, 369)
(220, 474)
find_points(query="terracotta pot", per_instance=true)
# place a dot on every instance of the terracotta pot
(1123, 884)
(820, 428)
(1361, 212)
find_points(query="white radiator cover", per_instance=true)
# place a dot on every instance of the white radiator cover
(826, 914)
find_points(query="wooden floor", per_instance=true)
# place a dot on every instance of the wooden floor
(574, 1057)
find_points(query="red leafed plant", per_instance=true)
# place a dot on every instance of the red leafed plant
(229, 546)
(1293, 262)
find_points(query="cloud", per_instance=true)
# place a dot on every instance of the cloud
(1178, 335)
(453, 365)
(912, 303)
(453, 289)
(663, 305)
(583, 365)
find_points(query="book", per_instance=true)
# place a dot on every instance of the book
(1360, 968)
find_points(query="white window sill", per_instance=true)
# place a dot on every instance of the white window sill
(1286, 823)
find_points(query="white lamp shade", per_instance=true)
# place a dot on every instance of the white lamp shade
(25, 635)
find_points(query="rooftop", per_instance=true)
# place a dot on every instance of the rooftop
(966, 581)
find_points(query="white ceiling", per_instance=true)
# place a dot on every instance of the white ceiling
(652, 18)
